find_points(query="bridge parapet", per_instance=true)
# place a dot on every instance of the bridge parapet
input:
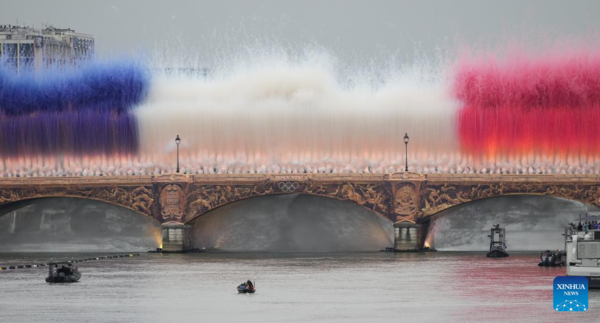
(489, 178)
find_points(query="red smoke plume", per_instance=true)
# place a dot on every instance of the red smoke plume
(546, 105)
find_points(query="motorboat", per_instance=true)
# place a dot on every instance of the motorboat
(497, 243)
(246, 288)
(59, 273)
(583, 252)
(552, 259)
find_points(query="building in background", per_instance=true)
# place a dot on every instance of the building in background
(25, 48)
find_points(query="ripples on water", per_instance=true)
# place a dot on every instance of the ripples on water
(297, 287)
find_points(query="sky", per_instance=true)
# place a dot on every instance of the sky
(370, 30)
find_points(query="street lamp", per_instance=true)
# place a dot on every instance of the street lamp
(177, 141)
(406, 155)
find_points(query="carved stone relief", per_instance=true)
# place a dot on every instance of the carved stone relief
(405, 199)
(436, 198)
(205, 198)
(401, 197)
(171, 202)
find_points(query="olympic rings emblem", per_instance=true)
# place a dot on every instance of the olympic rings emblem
(288, 187)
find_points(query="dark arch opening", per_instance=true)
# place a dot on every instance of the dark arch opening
(71, 224)
(532, 222)
(292, 223)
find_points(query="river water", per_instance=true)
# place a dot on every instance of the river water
(291, 287)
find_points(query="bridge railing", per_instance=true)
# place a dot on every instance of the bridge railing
(331, 177)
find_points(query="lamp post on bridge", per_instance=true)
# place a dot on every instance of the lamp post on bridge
(406, 152)
(177, 141)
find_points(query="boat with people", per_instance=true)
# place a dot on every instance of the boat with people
(246, 288)
(497, 243)
(556, 258)
(582, 247)
(62, 274)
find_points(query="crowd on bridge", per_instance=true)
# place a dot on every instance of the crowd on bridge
(586, 226)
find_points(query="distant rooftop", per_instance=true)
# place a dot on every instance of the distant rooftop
(25, 47)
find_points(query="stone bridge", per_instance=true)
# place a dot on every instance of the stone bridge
(407, 199)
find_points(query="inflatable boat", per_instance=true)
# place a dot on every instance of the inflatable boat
(246, 288)
(552, 259)
(62, 274)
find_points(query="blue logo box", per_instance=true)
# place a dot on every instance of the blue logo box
(570, 294)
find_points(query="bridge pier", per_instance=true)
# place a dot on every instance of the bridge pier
(176, 237)
(408, 237)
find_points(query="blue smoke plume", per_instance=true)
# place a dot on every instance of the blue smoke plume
(114, 87)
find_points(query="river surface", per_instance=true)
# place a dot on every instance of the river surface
(291, 287)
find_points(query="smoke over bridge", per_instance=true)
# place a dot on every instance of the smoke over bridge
(522, 113)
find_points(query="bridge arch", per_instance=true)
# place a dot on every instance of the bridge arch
(359, 203)
(138, 199)
(205, 198)
(437, 198)
(532, 222)
(78, 224)
(467, 203)
(33, 199)
(292, 222)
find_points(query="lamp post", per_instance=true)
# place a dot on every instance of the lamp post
(406, 154)
(177, 141)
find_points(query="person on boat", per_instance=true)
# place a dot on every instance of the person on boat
(595, 225)
(579, 227)
(250, 285)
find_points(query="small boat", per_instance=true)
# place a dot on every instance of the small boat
(497, 243)
(246, 288)
(62, 274)
(552, 259)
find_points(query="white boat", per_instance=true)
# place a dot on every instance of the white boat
(583, 253)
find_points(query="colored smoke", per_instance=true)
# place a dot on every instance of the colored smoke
(300, 112)
(72, 133)
(531, 114)
(292, 115)
(115, 87)
(55, 120)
